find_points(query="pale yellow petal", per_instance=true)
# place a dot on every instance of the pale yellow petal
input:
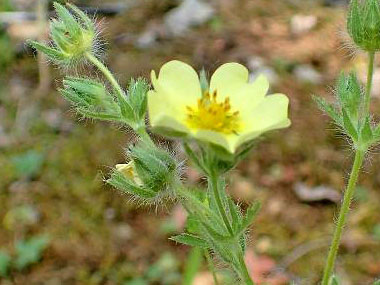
(214, 138)
(177, 83)
(231, 80)
(270, 114)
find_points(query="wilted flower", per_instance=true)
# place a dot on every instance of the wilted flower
(232, 112)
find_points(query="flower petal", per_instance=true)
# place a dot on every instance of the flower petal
(270, 114)
(177, 83)
(231, 80)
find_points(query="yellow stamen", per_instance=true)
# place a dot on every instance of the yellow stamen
(208, 114)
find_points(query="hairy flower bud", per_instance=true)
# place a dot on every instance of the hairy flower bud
(148, 176)
(91, 99)
(73, 35)
(363, 24)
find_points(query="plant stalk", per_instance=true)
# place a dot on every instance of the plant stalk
(371, 63)
(107, 74)
(243, 271)
(349, 193)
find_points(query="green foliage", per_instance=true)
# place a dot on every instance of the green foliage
(28, 164)
(30, 251)
(377, 282)
(5, 263)
(136, 103)
(6, 51)
(73, 34)
(349, 112)
(363, 24)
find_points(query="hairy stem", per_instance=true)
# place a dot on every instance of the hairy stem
(119, 91)
(371, 63)
(219, 204)
(242, 268)
(329, 265)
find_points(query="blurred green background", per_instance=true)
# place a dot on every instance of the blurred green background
(60, 223)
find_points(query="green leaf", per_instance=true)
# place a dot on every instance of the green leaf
(28, 164)
(191, 240)
(250, 215)
(235, 215)
(203, 81)
(89, 24)
(30, 251)
(329, 109)
(121, 182)
(377, 282)
(5, 263)
(348, 126)
(366, 132)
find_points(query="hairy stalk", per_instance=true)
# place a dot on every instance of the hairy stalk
(119, 91)
(211, 266)
(219, 203)
(345, 208)
(143, 134)
(243, 271)
(371, 63)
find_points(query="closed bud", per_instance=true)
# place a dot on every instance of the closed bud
(363, 24)
(73, 35)
(90, 98)
(155, 167)
(148, 176)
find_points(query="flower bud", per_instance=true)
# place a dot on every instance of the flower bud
(156, 168)
(73, 35)
(148, 176)
(90, 98)
(363, 24)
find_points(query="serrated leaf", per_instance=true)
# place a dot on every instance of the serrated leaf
(250, 215)
(329, 109)
(191, 240)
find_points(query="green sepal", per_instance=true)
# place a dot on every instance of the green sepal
(250, 215)
(52, 53)
(191, 240)
(126, 185)
(89, 24)
(69, 21)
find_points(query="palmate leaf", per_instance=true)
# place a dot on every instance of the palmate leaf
(191, 240)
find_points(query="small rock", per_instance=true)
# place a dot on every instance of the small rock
(257, 66)
(190, 13)
(109, 213)
(319, 193)
(123, 232)
(149, 37)
(302, 24)
(307, 73)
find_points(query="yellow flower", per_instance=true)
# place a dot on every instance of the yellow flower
(233, 111)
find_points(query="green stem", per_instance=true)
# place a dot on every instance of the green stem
(107, 74)
(244, 271)
(219, 204)
(371, 63)
(143, 134)
(211, 266)
(329, 265)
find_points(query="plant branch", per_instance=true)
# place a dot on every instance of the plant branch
(371, 63)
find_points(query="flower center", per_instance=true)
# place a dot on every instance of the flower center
(208, 114)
